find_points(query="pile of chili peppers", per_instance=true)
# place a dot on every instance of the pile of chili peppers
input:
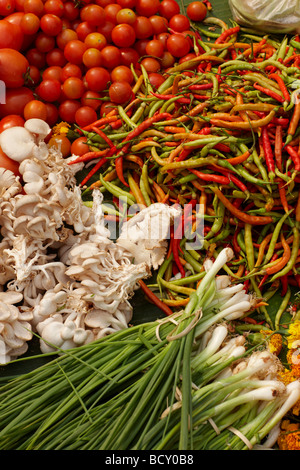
(220, 134)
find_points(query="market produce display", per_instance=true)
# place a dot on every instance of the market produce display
(120, 118)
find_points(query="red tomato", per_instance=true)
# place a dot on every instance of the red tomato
(52, 114)
(143, 27)
(129, 56)
(36, 58)
(106, 108)
(121, 73)
(11, 120)
(70, 70)
(8, 163)
(106, 29)
(97, 78)
(169, 8)
(85, 115)
(15, 101)
(30, 23)
(93, 14)
(65, 36)
(71, 12)
(147, 7)
(35, 109)
(34, 75)
(120, 92)
(92, 57)
(126, 15)
(43, 42)
(111, 56)
(13, 66)
(34, 6)
(83, 29)
(178, 45)
(51, 24)
(92, 99)
(127, 3)
(49, 90)
(156, 79)
(73, 88)
(123, 35)
(74, 50)
(96, 40)
(52, 73)
(151, 64)
(55, 7)
(11, 35)
(111, 12)
(67, 110)
(7, 7)
(155, 48)
(159, 24)
(196, 11)
(79, 146)
(179, 23)
(167, 60)
(56, 57)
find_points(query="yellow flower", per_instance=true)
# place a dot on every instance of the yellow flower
(61, 128)
(289, 438)
(294, 334)
(274, 341)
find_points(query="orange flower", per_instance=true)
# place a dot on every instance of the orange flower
(289, 438)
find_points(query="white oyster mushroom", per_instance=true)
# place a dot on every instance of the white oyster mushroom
(17, 143)
(145, 234)
(39, 128)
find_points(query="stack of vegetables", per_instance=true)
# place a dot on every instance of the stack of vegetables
(211, 124)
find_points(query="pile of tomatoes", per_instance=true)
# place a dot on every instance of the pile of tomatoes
(69, 60)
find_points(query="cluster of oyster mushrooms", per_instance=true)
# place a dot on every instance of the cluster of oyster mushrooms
(61, 275)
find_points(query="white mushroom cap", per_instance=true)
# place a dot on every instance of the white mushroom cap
(38, 127)
(17, 143)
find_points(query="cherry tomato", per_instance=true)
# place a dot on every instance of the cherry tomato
(151, 64)
(156, 79)
(111, 12)
(49, 90)
(79, 146)
(71, 12)
(30, 23)
(85, 115)
(120, 92)
(13, 66)
(96, 40)
(196, 11)
(106, 108)
(142, 27)
(123, 35)
(8, 163)
(127, 3)
(92, 99)
(178, 45)
(97, 78)
(121, 73)
(36, 58)
(168, 8)
(43, 42)
(67, 110)
(93, 14)
(56, 57)
(167, 60)
(55, 7)
(129, 56)
(34, 6)
(61, 143)
(83, 29)
(126, 15)
(111, 56)
(7, 7)
(74, 50)
(155, 48)
(73, 88)
(35, 109)
(11, 35)
(65, 36)
(11, 120)
(159, 24)
(92, 57)
(52, 114)
(147, 7)
(33, 75)
(51, 24)
(106, 29)
(70, 70)
(52, 73)
(179, 23)
(15, 101)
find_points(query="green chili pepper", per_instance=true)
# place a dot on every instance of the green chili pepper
(275, 236)
(294, 253)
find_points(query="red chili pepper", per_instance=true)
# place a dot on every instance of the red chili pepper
(88, 156)
(103, 135)
(104, 120)
(268, 92)
(119, 170)
(212, 178)
(269, 157)
(203, 86)
(151, 296)
(263, 280)
(294, 155)
(93, 171)
(284, 283)
(226, 34)
(281, 84)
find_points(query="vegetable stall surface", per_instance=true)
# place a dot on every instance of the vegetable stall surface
(147, 108)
